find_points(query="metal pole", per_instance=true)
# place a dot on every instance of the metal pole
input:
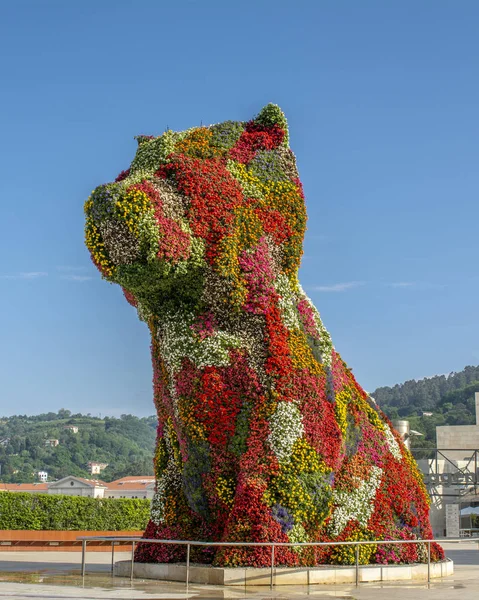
(112, 558)
(83, 552)
(357, 565)
(429, 562)
(132, 559)
(272, 567)
(187, 564)
(475, 468)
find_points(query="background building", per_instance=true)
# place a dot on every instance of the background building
(96, 468)
(126, 487)
(42, 476)
(451, 474)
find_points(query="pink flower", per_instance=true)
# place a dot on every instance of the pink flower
(258, 273)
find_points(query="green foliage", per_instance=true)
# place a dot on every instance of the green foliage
(271, 114)
(450, 399)
(159, 285)
(152, 153)
(73, 513)
(225, 135)
(125, 444)
(239, 441)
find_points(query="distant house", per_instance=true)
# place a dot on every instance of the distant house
(131, 487)
(77, 486)
(52, 443)
(42, 476)
(96, 468)
(427, 414)
(72, 428)
(126, 487)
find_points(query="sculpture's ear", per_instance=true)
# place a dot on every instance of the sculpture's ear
(270, 115)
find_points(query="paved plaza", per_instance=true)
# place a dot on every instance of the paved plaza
(56, 576)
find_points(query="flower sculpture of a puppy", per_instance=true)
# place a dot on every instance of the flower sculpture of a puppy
(264, 433)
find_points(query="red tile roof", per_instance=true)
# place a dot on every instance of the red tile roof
(131, 485)
(23, 487)
(135, 479)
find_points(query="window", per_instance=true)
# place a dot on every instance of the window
(72, 483)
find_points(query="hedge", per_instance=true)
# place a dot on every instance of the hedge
(47, 512)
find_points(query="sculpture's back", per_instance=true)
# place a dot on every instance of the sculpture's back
(264, 434)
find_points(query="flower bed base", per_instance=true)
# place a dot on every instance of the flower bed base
(325, 575)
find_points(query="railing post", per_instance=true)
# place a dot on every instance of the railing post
(112, 558)
(272, 567)
(475, 468)
(187, 564)
(132, 559)
(429, 561)
(83, 552)
(357, 565)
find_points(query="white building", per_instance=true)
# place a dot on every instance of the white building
(127, 487)
(131, 487)
(42, 476)
(52, 443)
(96, 468)
(77, 486)
(72, 428)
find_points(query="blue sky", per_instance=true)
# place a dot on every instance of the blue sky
(381, 99)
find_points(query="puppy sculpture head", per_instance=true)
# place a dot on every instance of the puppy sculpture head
(195, 209)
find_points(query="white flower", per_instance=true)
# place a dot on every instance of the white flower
(144, 314)
(357, 504)
(169, 480)
(177, 340)
(158, 503)
(325, 342)
(287, 302)
(286, 427)
(392, 443)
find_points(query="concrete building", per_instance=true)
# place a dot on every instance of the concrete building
(459, 436)
(77, 486)
(131, 487)
(451, 474)
(126, 487)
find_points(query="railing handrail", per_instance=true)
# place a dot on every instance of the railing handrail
(273, 545)
(446, 449)
(268, 544)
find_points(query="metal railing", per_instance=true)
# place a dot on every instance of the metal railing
(469, 532)
(453, 475)
(272, 545)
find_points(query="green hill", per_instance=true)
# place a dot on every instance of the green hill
(450, 399)
(125, 444)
